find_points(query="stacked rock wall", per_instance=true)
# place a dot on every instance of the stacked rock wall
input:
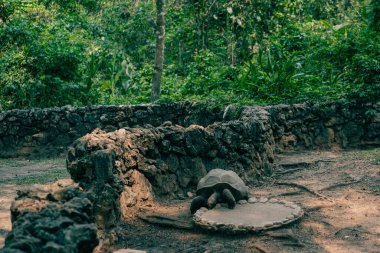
(48, 132)
(325, 126)
(169, 160)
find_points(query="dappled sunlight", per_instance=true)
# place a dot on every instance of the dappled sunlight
(350, 224)
(185, 237)
(337, 246)
(357, 207)
(7, 194)
(339, 197)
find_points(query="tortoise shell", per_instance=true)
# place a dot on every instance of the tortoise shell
(218, 179)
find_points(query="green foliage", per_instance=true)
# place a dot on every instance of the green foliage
(40, 61)
(255, 51)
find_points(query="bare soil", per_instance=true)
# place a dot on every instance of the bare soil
(338, 190)
(18, 174)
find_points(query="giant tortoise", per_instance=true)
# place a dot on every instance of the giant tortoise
(219, 186)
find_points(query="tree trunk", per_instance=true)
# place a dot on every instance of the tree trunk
(159, 55)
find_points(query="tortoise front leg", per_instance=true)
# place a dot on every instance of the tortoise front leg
(227, 195)
(198, 202)
(213, 200)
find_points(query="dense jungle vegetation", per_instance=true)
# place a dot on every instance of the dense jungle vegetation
(80, 52)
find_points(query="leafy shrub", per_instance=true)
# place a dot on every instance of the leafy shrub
(40, 61)
(256, 51)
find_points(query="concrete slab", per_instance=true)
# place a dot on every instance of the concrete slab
(256, 215)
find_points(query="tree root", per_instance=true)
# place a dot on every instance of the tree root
(303, 187)
(259, 248)
(339, 185)
(317, 208)
(301, 165)
(288, 193)
(167, 221)
(292, 241)
(282, 236)
(324, 161)
(283, 172)
(295, 244)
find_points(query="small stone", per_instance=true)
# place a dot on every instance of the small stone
(190, 194)
(212, 223)
(167, 124)
(181, 196)
(12, 118)
(252, 200)
(263, 199)
(230, 227)
(273, 200)
(295, 213)
(242, 202)
(237, 230)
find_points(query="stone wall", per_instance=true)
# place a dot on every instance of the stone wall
(169, 160)
(48, 132)
(325, 126)
(167, 150)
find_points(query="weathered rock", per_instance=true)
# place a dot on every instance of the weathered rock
(137, 190)
(61, 224)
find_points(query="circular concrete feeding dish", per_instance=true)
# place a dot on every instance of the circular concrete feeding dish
(256, 215)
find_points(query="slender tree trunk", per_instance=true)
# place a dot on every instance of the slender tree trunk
(159, 55)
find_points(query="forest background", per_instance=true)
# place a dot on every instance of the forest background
(83, 52)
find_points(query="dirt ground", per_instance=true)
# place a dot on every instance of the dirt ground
(338, 190)
(18, 174)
